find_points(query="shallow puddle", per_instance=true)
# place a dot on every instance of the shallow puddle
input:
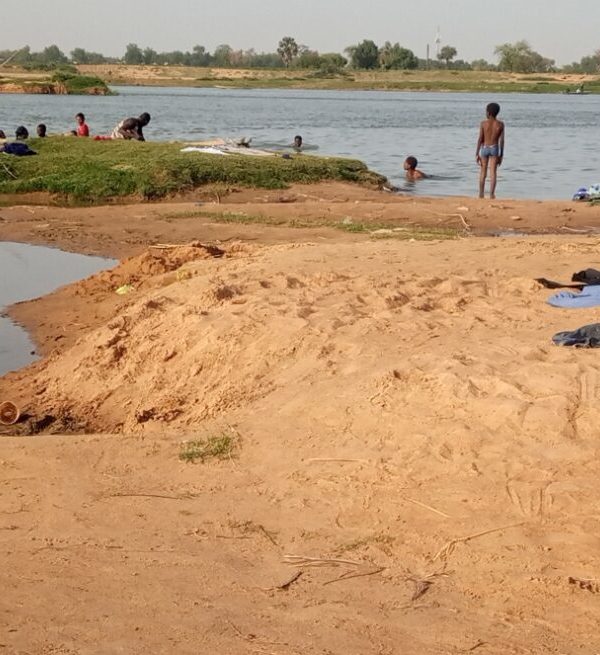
(27, 272)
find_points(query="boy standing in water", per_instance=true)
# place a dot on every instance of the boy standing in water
(490, 148)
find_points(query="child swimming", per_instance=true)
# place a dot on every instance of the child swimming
(412, 172)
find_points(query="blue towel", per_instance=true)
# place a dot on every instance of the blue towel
(588, 297)
(587, 336)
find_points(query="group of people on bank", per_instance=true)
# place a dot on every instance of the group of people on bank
(489, 150)
(129, 129)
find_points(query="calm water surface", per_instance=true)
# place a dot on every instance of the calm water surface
(551, 149)
(27, 272)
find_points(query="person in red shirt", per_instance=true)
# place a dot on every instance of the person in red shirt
(82, 128)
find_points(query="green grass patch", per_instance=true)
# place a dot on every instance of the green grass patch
(91, 172)
(220, 446)
(375, 230)
(81, 84)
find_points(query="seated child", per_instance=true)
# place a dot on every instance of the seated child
(412, 172)
(41, 130)
(82, 128)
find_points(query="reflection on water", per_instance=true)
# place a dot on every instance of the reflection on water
(27, 272)
(550, 149)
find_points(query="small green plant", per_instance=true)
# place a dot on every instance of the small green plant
(219, 446)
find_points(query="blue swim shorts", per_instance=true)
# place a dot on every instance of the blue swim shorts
(489, 151)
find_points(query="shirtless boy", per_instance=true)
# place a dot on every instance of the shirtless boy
(412, 172)
(490, 148)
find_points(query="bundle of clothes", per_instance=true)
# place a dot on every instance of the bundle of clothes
(586, 293)
(587, 193)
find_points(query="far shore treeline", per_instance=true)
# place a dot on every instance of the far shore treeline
(518, 57)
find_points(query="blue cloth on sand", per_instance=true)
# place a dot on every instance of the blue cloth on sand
(588, 297)
(587, 336)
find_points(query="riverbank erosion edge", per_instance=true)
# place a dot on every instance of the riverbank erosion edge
(379, 429)
(89, 171)
(58, 84)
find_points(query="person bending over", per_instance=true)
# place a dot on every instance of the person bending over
(490, 148)
(131, 128)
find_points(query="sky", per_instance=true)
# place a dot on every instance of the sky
(564, 31)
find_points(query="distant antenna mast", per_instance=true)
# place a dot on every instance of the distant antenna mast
(438, 41)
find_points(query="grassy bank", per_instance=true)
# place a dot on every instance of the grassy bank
(86, 171)
(59, 83)
(419, 80)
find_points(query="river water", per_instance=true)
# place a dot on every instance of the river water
(27, 272)
(550, 149)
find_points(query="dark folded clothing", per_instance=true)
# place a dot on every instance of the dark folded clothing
(589, 276)
(17, 149)
(587, 336)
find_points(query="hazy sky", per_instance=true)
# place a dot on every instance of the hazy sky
(565, 30)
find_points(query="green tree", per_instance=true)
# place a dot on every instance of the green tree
(447, 54)
(364, 55)
(199, 56)
(482, 65)
(133, 54)
(53, 55)
(287, 50)
(520, 58)
(333, 60)
(396, 57)
(589, 64)
(150, 56)
(222, 56)
(81, 56)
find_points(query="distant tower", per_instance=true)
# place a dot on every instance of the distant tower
(438, 41)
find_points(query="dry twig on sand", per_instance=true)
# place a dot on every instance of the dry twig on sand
(359, 570)
(422, 584)
(355, 574)
(342, 460)
(463, 220)
(448, 549)
(164, 497)
(429, 507)
(286, 584)
(300, 560)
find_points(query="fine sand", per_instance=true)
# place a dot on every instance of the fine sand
(396, 411)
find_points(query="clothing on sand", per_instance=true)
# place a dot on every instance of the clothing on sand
(589, 296)
(587, 336)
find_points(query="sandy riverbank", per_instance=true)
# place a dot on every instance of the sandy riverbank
(394, 405)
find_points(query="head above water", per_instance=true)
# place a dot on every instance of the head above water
(41, 130)
(80, 118)
(410, 163)
(298, 141)
(21, 132)
(144, 118)
(493, 109)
